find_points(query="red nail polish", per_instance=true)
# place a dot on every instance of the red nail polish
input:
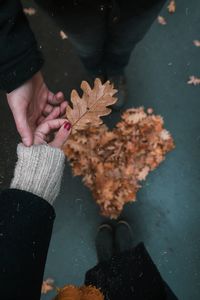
(67, 126)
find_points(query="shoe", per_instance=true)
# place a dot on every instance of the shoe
(123, 237)
(119, 84)
(105, 242)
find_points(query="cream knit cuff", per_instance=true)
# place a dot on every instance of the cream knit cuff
(39, 170)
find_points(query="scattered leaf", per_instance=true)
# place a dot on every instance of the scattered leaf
(161, 20)
(149, 110)
(30, 11)
(63, 35)
(171, 7)
(194, 80)
(196, 43)
(47, 286)
(91, 106)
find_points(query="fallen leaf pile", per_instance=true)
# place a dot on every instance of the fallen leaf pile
(113, 163)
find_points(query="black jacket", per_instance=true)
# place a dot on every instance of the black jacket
(26, 223)
(19, 55)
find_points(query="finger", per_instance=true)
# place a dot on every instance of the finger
(63, 107)
(61, 136)
(47, 110)
(49, 126)
(44, 130)
(23, 125)
(56, 99)
(54, 114)
(40, 120)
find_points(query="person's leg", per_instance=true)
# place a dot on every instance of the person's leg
(85, 24)
(130, 273)
(127, 24)
(123, 237)
(104, 243)
(124, 32)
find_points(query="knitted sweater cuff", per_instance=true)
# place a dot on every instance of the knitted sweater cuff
(39, 170)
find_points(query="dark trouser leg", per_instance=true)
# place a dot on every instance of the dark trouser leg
(85, 24)
(129, 275)
(124, 34)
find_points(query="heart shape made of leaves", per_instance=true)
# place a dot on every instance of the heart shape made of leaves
(114, 162)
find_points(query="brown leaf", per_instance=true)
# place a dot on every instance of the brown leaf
(30, 11)
(91, 106)
(171, 7)
(194, 80)
(161, 20)
(63, 35)
(47, 286)
(196, 43)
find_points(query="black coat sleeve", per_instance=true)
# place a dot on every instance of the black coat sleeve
(20, 58)
(26, 223)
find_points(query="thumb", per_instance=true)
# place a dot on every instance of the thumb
(23, 127)
(61, 136)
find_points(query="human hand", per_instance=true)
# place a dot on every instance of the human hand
(44, 131)
(31, 103)
(41, 163)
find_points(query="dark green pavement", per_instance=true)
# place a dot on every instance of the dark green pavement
(166, 215)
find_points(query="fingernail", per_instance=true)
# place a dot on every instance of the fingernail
(67, 126)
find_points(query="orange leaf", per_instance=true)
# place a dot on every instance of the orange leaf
(63, 35)
(47, 286)
(196, 43)
(161, 20)
(30, 11)
(91, 106)
(172, 7)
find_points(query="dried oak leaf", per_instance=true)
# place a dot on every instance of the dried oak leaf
(196, 43)
(63, 35)
(91, 106)
(162, 20)
(171, 7)
(194, 80)
(30, 11)
(47, 286)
